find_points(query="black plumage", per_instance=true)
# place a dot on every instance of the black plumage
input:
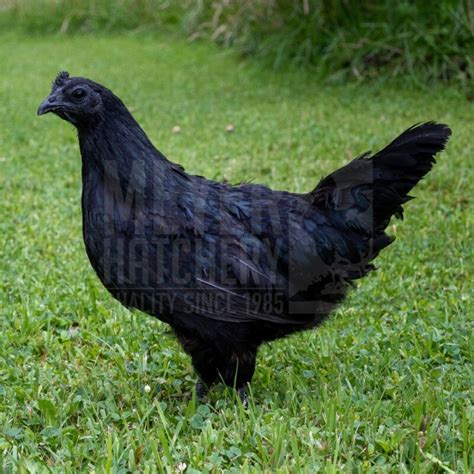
(228, 267)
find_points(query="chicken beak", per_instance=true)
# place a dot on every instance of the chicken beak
(44, 107)
(48, 105)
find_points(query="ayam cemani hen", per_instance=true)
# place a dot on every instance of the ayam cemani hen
(228, 267)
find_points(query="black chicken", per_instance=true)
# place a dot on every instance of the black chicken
(228, 267)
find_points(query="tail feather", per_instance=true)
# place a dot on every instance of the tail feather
(367, 192)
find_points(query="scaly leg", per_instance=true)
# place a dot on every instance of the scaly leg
(237, 369)
(204, 359)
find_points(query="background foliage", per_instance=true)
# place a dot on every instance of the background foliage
(341, 38)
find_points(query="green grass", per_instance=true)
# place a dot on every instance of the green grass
(383, 386)
(358, 39)
(425, 42)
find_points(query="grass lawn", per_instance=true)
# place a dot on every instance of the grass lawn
(85, 385)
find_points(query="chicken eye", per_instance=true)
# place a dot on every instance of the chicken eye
(78, 94)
